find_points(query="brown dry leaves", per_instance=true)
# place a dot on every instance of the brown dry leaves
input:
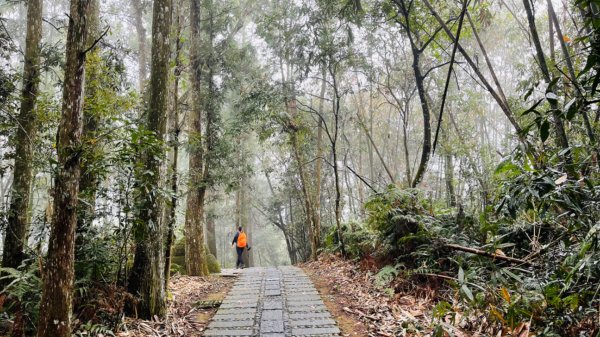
(183, 319)
(384, 315)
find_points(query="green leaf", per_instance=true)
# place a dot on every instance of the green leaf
(532, 108)
(544, 130)
(571, 108)
(551, 97)
(461, 275)
(467, 292)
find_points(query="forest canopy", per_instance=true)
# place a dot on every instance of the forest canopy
(445, 144)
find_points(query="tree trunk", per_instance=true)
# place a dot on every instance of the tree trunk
(426, 151)
(57, 292)
(405, 145)
(305, 192)
(281, 224)
(561, 136)
(448, 170)
(319, 166)
(211, 236)
(497, 97)
(573, 76)
(138, 9)
(147, 275)
(195, 256)
(333, 139)
(175, 131)
(18, 214)
(89, 181)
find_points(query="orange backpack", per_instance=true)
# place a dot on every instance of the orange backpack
(241, 241)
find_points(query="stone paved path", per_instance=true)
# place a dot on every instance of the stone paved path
(273, 302)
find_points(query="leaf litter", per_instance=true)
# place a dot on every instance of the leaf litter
(402, 309)
(183, 318)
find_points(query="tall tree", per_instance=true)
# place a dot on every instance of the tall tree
(89, 180)
(195, 255)
(147, 275)
(138, 8)
(175, 130)
(57, 294)
(408, 10)
(18, 214)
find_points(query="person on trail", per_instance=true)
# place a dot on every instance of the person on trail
(240, 240)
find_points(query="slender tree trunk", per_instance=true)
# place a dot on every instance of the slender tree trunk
(18, 214)
(299, 158)
(147, 275)
(406, 153)
(571, 69)
(305, 192)
(138, 9)
(211, 237)
(561, 135)
(333, 139)
(282, 225)
(426, 151)
(175, 131)
(245, 219)
(89, 181)
(379, 155)
(319, 166)
(497, 97)
(448, 170)
(57, 291)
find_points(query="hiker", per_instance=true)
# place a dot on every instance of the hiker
(240, 239)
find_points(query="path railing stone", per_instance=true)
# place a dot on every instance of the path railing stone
(273, 302)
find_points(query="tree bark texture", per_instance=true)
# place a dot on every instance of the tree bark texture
(174, 134)
(195, 256)
(57, 293)
(147, 275)
(138, 9)
(18, 214)
(89, 180)
(211, 237)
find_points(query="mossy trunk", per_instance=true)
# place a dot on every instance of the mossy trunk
(147, 275)
(57, 293)
(174, 134)
(211, 237)
(195, 256)
(18, 214)
(89, 180)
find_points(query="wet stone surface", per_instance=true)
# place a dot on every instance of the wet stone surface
(273, 302)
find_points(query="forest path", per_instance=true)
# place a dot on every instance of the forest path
(273, 302)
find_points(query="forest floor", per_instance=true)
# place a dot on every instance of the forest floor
(363, 309)
(184, 317)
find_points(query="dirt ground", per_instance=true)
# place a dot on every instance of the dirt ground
(184, 317)
(350, 325)
(362, 309)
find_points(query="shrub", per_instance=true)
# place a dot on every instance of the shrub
(213, 264)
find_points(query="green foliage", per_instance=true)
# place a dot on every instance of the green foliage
(23, 285)
(386, 275)
(213, 264)
(400, 220)
(92, 329)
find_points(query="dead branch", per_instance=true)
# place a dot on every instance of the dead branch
(487, 254)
